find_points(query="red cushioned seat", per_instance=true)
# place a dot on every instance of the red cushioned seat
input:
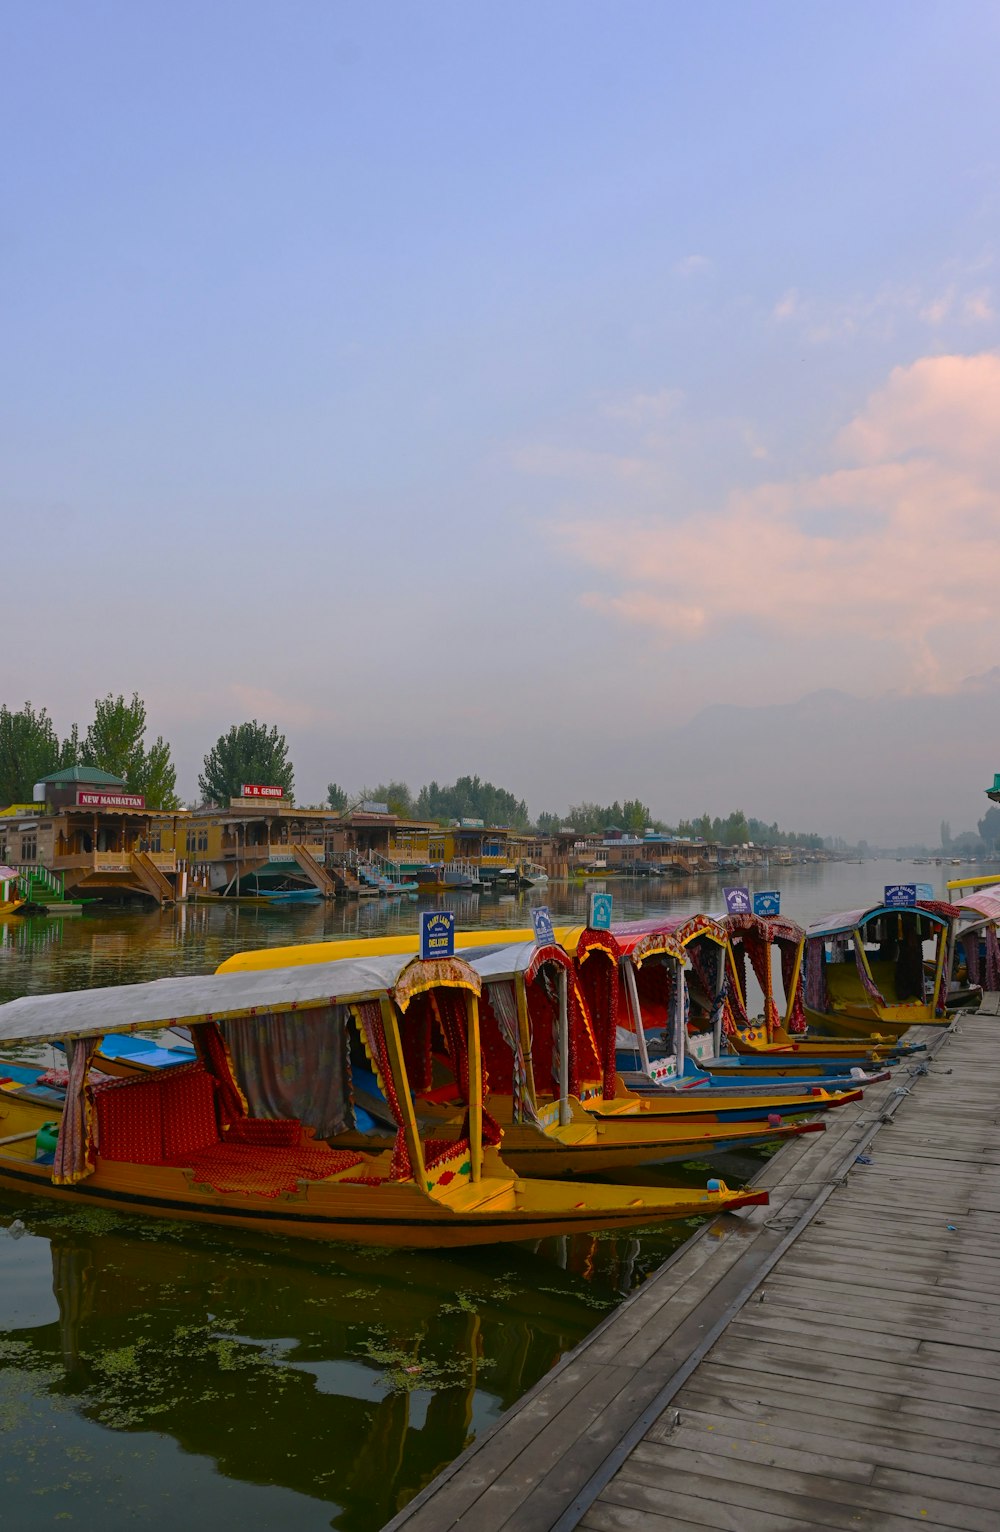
(189, 1120)
(130, 1122)
(277, 1132)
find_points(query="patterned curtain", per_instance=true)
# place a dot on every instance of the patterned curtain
(295, 1064)
(504, 1005)
(868, 984)
(973, 958)
(598, 983)
(717, 993)
(817, 994)
(74, 1157)
(992, 958)
(369, 1015)
(797, 1017)
(759, 952)
(211, 1048)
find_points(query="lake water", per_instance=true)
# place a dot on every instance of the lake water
(152, 1373)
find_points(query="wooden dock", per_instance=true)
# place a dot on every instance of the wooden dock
(832, 1360)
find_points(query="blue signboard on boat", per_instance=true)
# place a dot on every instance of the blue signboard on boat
(599, 917)
(768, 902)
(900, 896)
(545, 934)
(437, 934)
(924, 890)
(737, 901)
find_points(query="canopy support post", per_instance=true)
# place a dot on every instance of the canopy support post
(411, 1133)
(524, 1032)
(565, 1116)
(475, 1087)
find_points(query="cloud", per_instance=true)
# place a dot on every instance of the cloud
(787, 306)
(646, 409)
(882, 312)
(896, 547)
(692, 265)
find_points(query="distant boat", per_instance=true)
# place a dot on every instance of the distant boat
(290, 895)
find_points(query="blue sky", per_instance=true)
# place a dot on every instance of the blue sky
(447, 383)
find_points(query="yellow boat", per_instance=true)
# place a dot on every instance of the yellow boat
(865, 970)
(558, 1133)
(10, 899)
(260, 1131)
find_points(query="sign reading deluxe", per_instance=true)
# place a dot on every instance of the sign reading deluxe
(94, 800)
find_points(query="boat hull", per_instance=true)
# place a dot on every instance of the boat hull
(395, 1214)
(890, 1022)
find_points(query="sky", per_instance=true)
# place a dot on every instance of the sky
(600, 397)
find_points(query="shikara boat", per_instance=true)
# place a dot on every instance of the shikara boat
(865, 973)
(559, 1132)
(975, 958)
(10, 900)
(681, 1009)
(260, 1131)
(533, 995)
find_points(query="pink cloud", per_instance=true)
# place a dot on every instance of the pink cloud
(899, 546)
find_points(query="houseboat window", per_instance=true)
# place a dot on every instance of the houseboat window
(29, 848)
(203, 840)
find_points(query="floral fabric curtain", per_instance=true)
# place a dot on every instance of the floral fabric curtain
(74, 1157)
(294, 1064)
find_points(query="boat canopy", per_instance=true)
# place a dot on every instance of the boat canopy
(982, 906)
(770, 928)
(217, 997)
(852, 920)
(520, 961)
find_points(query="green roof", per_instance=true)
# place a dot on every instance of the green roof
(86, 774)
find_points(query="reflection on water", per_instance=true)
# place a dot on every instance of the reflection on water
(342, 1380)
(148, 1367)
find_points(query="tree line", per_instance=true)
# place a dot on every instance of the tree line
(115, 741)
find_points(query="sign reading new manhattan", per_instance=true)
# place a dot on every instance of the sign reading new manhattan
(92, 800)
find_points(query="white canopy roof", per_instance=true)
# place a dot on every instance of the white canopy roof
(208, 997)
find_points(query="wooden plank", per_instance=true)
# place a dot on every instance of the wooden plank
(743, 1481)
(836, 1456)
(968, 1422)
(893, 1446)
(742, 1506)
(874, 1373)
(622, 1518)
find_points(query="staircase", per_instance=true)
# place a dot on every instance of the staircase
(315, 872)
(152, 879)
(36, 885)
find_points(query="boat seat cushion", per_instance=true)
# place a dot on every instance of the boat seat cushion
(275, 1132)
(130, 1121)
(189, 1119)
(255, 1171)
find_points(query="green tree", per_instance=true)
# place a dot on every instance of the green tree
(472, 798)
(248, 752)
(945, 835)
(29, 750)
(989, 829)
(395, 795)
(336, 798)
(116, 742)
(635, 816)
(548, 824)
